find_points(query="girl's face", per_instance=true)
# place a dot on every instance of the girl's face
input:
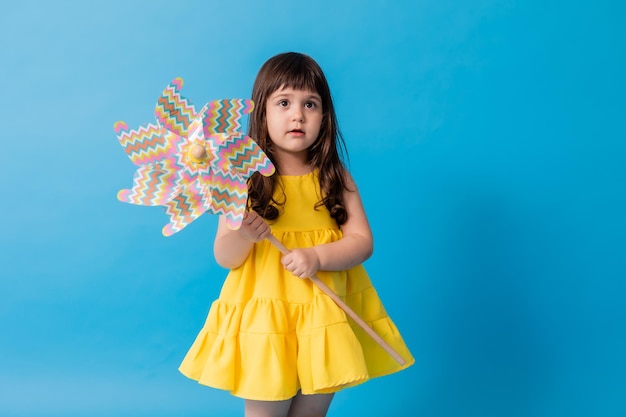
(294, 118)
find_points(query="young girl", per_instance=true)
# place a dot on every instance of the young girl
(271, 337)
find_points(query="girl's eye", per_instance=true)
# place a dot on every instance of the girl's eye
(310, 105)
(283, 103)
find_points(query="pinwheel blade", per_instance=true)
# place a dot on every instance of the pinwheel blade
(152, 186)
(224, 116)
(146, 145)
(240, 153)
(174, 111)
(187, 206)
(229, 196)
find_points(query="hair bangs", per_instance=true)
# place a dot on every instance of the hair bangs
(297, 75)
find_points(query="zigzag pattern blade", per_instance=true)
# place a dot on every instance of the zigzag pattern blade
(146, 145)
(225, 115)
(152, 186)
(187, 206)
(174, 111)
(241, 153)
(229, 195)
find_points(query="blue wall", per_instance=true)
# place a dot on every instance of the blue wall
(489, 141)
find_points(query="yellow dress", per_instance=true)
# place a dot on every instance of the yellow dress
(270, 334)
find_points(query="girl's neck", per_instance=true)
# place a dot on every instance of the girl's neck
(293, 165)
(294, 171)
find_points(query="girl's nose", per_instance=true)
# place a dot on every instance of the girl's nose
(297, 115)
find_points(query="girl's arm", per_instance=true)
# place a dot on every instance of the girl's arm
(231, 247)
(356, 245)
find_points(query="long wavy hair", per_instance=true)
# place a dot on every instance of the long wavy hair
(300, 72)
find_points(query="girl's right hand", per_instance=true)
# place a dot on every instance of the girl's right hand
(253, 227)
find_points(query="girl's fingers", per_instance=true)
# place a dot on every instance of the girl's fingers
(254, 226)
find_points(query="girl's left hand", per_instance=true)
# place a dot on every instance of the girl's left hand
(303, 263)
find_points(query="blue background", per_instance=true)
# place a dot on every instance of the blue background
(488, 138)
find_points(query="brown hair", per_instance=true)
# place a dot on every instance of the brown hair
(300, 72)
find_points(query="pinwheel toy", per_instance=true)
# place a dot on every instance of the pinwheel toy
(196, 162)
(192, 162)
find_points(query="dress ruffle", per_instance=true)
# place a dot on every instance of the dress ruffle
(287, 347)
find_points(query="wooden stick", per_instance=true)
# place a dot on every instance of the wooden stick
(283, 249)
